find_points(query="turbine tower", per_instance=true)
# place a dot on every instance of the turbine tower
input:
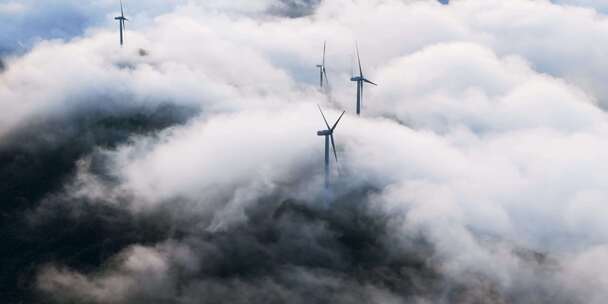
(329, 136)
(322, 73)
(121, 23)
(360, 80)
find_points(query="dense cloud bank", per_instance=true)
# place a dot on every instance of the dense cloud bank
(184, 167)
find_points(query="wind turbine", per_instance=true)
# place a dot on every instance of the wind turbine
(360, 80)
(329, 135)
(121, 23)
(322, 72)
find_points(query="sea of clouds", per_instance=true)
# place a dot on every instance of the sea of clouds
(477, 172)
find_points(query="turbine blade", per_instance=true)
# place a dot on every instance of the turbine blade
(122, 13)
(327, 124)
(324, 45)
(337, 121)
(333, 146)
(359, 60)
(352, 66)
(369, 81)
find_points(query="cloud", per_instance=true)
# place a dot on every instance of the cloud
(12, 7)
(497, 94)
(474, 174)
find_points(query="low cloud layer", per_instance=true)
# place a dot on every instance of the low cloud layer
(185, 166)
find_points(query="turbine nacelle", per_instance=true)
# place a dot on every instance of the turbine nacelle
(325, 132)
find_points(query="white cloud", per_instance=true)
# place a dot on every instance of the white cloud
(485, 123)
(12, 7)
